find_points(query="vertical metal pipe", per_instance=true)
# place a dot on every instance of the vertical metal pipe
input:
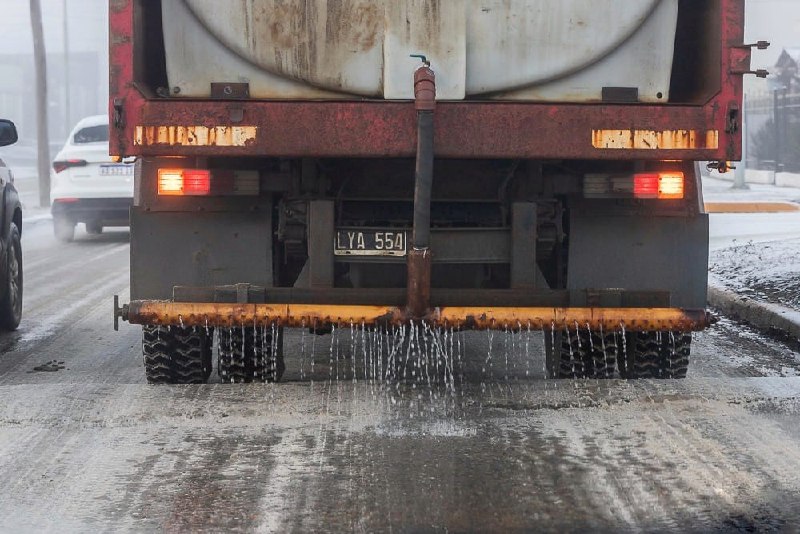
(65, 25)
(740, 174)
(776, 118)
(418, 287)
(421, 235)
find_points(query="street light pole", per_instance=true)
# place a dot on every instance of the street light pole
(65, 33)
(42, 138)
(778, 141)
(740, 173)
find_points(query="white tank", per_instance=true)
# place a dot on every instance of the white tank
(537, 50)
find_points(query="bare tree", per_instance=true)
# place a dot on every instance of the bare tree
(42, 137)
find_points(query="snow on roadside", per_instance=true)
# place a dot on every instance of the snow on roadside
(762, 271)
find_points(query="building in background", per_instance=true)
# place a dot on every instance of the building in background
(776, 21)
(773, 118)
(785, 74)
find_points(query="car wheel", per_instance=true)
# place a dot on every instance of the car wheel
(11, 303)
(64, 229)
(94, 228)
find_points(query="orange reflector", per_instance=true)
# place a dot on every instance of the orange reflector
(665, 185)
(170, 182)
(184, 182)
(670, 185)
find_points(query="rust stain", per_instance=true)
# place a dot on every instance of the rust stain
(297, 315)
(195, 135)
(116, 6)
(118, 39)
(285, 21)
(655, 140)
(356, 24)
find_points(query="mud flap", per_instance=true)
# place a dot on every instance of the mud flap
(198, 249)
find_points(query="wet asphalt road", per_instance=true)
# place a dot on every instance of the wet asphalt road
(90, 446)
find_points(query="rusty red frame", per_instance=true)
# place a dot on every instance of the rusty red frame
(465, 129)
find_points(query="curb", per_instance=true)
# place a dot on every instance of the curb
(751, 207)
(762, 315)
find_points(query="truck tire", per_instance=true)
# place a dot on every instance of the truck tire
(208, 349)
(659, 355)
(11, 303)
(676, 349)
(604, 352)
(64, 229)
(247, 354)
(174, 355)
(582, 354)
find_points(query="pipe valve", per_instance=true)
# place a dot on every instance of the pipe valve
(424, 85)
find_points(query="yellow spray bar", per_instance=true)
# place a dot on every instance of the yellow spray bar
(153, 312)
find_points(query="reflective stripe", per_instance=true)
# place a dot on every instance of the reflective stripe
(655, 140)
(195, 135)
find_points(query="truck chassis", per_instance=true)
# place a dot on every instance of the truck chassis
(472, 214)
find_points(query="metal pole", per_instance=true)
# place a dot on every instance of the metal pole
(740, 174)
(418, 286)
(42, 134)
(67, 86)
(784, 126)
(776, 118)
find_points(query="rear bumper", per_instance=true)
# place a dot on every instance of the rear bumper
(107, 211)
(204, 314)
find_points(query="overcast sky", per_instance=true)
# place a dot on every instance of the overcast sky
(777, 21)
(87, 23)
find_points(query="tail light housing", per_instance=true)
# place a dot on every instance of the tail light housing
(204, 182)
(65, 164)
(646, 185)
(194, 182)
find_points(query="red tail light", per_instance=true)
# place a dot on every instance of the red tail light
(61, 165)
(204, 182)
(196, 182)
(184, 182)
(663, 185)
(645, 185)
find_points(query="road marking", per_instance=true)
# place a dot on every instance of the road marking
(47, 326)
(751, 207)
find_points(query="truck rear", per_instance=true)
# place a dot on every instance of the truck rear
(523, 164)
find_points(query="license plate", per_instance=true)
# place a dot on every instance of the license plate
(370, 243)
(120, 169)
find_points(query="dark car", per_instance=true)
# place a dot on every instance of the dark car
(10, 246)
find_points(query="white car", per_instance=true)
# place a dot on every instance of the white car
(87, 186)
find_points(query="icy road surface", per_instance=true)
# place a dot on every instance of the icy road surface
(86, 445)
